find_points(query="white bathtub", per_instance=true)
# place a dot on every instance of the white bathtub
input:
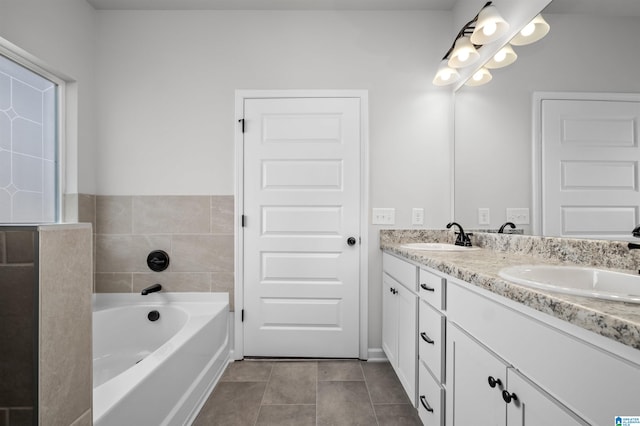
(156, 372)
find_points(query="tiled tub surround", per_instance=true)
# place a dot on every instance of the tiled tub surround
(615, 320)
(196, 232)
(59, 258)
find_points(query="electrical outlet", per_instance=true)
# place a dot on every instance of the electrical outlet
(383, 217)
(519, 216)
(483, 216)
(417, 216)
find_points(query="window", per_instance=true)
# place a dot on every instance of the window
(28, 145)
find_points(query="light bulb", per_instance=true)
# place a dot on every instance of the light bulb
(528, 29)
(463, 56)
(500, 56)
(489, 28)
(477, 76)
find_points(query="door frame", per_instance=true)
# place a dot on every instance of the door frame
(240, 97)
(537, 202)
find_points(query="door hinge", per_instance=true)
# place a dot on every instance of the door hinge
(241, 121)
(242, 316)
(243, 220)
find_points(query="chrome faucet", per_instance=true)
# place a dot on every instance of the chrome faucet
(501, 230)
(462, 239)
(151, 289)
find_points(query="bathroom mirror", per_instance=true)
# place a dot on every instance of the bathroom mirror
(592, 47)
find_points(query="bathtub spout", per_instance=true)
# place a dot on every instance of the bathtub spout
(151, 289)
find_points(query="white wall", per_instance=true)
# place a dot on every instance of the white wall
(59, 35)
(493, 123)
(166, 100)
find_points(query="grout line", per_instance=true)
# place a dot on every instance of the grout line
(266, 386)
(366, 385)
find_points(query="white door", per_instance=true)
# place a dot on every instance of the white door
(590, 158)
(301, 207)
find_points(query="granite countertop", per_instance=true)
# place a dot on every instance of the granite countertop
(618, 321)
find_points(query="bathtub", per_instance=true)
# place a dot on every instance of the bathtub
(156, 372)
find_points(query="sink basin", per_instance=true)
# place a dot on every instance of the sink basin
(437, 247)
(580, 281)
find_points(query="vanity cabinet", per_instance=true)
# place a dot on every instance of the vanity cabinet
(486, 390)
(399, 320)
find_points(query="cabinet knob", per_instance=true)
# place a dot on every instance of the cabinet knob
(425, 404)
(493, 381)
(508, 397)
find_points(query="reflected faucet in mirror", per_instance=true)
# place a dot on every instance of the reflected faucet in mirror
(510, 224)
(635, 233)
(462, 239)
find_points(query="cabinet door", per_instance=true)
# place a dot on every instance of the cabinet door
(390, 319)
(471, 400)
(533, 406)
(407, 340)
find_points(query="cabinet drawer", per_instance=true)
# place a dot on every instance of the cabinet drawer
(403, 272)
(432, 289)
(431, 338)
(430, 399)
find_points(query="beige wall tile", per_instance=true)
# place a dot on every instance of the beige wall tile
(20, 246)
(110, 282)
(202, 253)
(87, 209)
(174, 281)
(65, 367)
(114, 214)
(128, 253)
(223, 282)
(222, 213)
(171, 214)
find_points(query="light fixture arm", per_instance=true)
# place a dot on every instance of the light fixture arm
(467, 29)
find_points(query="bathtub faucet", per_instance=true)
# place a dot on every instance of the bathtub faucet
(151, 289)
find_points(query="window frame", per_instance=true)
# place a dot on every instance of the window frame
(20, 57)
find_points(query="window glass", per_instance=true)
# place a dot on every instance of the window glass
(28, 145)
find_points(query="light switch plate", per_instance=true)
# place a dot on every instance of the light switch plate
(417, 216)
(519, 216)
(483, 216)
(383, 216)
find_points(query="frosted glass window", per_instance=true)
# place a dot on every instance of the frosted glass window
(28, 145)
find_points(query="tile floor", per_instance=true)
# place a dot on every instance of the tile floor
(304, 393)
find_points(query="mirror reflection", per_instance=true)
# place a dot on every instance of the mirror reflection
(592, 47)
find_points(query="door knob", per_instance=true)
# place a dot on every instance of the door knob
(351, 241)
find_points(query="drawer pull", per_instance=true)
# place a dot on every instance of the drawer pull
(425, 404)
(493, 382)
(426, 287)
(426, 338)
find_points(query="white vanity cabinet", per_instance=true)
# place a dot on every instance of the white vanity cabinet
(560, 375)
(400, 320)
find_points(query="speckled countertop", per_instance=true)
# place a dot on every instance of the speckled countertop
(616, 320)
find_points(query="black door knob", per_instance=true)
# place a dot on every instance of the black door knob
(351, 241)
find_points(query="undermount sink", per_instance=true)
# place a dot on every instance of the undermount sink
(579, 281)
(437, 247)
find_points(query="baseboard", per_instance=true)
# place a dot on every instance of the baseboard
(376, 355)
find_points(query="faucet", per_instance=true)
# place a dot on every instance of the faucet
(635, 233)
(151, 289)
(462, 239)
(501, 230)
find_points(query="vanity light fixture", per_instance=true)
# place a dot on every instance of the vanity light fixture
(532, 32)
(445, 74)
(505, 56)
(480, 77)
(464, 53)
(489, 27)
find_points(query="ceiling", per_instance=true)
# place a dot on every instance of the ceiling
(598, 7)
(273, 4)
